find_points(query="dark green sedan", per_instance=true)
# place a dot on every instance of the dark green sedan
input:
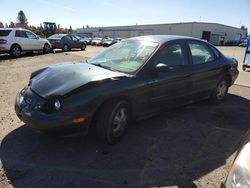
(131, 80)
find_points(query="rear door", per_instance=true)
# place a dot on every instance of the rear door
(206, 68)
(22, 39)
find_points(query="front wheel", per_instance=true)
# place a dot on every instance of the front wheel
(220, 91)
(83, 47)
(46, 48)
(65, 48)
(112, 121)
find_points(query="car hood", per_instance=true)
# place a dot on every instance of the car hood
(63, 78)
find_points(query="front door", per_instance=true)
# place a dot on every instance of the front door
(34, 42)
(171, 87)
(75, 42)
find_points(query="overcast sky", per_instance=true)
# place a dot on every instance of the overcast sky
(78, 13)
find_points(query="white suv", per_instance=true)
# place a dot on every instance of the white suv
(17, 40)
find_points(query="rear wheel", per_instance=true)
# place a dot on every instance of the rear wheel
(112, 121)
(220, 91)
(66, 48)
(46, 48)
(15, 51)
(244, 68)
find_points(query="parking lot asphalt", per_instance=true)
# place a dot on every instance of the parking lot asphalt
(192, 146)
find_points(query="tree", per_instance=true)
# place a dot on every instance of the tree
(21, 18)
(70, 29)
(244, 28)
(12, 25)
(6, 25)
(1, 25)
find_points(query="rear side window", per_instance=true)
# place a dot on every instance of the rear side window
(4, 33)
(20, 33)
(216, 52)
(200, 53)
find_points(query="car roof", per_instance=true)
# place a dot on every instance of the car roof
(162, 38)
(17, 28)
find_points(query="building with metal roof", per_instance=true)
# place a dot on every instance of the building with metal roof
(215, 33)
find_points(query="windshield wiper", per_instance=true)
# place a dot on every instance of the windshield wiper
(103, 66)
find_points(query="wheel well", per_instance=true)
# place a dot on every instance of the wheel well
(15, 44)
(45, 44)
(229, 78)
(95, 116)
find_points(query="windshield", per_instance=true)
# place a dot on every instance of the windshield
(56, 36)
(126, 56)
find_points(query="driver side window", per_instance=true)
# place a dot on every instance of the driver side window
(172, 56)
(30, 35)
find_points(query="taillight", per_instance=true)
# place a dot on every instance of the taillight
(55, 41)
(236, 62)
(2, 41)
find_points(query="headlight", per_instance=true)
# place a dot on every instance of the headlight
(57, 104)
(239, 175)
(53, 105)
(20, 99)
(21, 94)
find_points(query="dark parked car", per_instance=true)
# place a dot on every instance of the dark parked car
(238, 176)
(243, 44)
(66, 42)
(130, 80)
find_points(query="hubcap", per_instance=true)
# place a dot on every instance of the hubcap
(119, 121)
(16, 51)
(65, 48)
(221, 90)
(47, 48)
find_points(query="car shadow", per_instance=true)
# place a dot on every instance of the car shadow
(173, 148)
(71, 50)
(28, 54)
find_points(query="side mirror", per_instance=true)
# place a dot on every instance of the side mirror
(161, 67)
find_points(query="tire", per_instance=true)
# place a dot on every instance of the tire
(15, 51)
(66, 48)
(46, 48)
(220, 92)
(244, 68)
(83, 47)
(112, 121)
